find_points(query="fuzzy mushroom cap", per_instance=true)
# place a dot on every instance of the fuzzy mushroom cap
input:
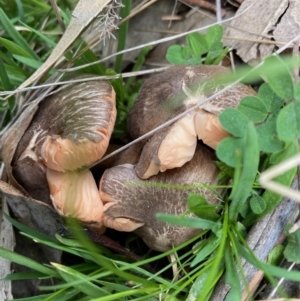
(132, 202)
(82, 128)
(168, 94)
(164, 96)
(74, 126)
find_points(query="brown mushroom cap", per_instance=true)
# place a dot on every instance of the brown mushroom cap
(133, 202)
(82, 123)
(168, 94)
(161, 97)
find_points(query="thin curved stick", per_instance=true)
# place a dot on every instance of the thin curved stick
(267, 176)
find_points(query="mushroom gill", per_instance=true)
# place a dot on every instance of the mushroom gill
(75, 194)
(134, 202)
(208, 128)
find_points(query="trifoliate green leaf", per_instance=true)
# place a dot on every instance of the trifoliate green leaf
(215, 50)
(271, 198)
(288, 122)
(253, 108)
(267, 136)
(276, 255)
(279, 77)
(186, 52)
(234, 122)
(174, 55)
(228, 149)
(214, 34)
(271, 100)
(257, 204)
(197, 43)
(199, 206)
(291, 251)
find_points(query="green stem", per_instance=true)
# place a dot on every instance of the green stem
(124, 12)
(218, 259)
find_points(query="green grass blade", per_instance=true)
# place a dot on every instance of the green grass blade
(28, 230)
(269, 270)
(4, 77)
(59, 296)
(12, 63)
(209, 247)
(75, 251)
(132, 292)
(87, 57)
(24, 275)
(124, 12)
(15, 35)
(15, 74)
(63, 295)
(231, 275)
(186, 221)
(249, 171)
(20, 9)
(200, 282)
(27, 262)
(83, 282)
(107, 264)
(113, 286)
(138, 65)
(28, 62)
(217, 262)
(13, 48)
(44, 38)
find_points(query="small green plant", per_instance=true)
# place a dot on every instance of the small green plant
(126, 94)
(207, 49)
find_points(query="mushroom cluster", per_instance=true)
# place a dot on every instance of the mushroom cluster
(71, 129)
